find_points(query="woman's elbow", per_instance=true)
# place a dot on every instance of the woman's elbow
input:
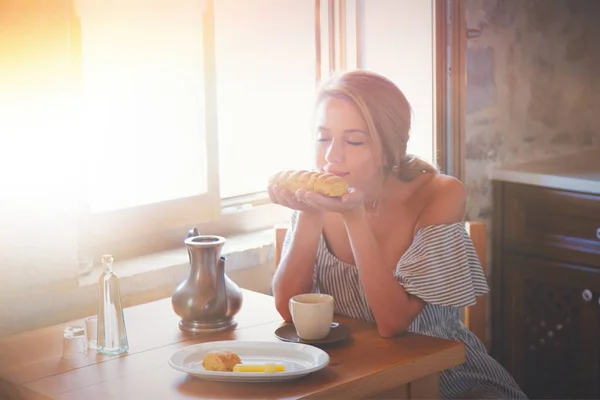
(281, 305)
(389, 333)
(391, 330)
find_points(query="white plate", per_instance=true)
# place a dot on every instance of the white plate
(299, 360)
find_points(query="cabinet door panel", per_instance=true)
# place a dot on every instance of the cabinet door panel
(552, 326)
(554, 224)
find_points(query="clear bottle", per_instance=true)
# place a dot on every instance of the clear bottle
(112, 334)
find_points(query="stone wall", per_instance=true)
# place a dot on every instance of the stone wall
(533, 86)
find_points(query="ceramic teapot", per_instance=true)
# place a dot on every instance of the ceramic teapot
(207, 300)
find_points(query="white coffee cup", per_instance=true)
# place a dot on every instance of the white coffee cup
(312, 314)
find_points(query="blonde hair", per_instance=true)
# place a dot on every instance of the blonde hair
(387, 114)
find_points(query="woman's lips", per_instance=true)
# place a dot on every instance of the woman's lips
(338, 173)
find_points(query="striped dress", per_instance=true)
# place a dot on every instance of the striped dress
(441, 268)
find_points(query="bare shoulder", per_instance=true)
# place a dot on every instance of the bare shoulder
(444, 203)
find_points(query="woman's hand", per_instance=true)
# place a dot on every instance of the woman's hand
(284, 198)
(346, 204)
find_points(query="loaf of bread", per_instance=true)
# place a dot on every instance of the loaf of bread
(220, 360)
(320, 182)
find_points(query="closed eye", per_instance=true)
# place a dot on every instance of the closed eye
(354, 143)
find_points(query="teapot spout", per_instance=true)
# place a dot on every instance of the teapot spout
(192, 233)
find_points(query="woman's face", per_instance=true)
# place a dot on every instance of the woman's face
(344, 146)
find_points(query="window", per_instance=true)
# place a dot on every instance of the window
(265, 63)
(398, 42)
(185, 104)
(184, 108)
(142, 102)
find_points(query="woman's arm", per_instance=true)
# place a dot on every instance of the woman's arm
(393, 308)
(294, 274)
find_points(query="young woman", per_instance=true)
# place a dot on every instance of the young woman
(394, 250)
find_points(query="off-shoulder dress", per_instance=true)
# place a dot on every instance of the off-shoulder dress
(441, 268)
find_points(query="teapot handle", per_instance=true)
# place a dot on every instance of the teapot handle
(220, 299)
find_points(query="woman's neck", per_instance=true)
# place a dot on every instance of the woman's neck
(376, 193)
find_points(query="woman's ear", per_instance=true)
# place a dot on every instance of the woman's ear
(384, 165)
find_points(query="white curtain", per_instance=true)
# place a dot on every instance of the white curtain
(38, 148)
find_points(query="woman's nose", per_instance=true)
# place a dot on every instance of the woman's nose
(335, 152)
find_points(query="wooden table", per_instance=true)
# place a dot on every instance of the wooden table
(364, 366)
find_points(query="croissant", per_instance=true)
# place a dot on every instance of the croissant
(321, 182)
(220, 360)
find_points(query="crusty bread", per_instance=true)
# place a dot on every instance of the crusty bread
(320, 182)
(220, 360)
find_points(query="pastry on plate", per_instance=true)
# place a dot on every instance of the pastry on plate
(321, 182)
(220, 360)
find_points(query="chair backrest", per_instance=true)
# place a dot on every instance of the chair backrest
(474, 316)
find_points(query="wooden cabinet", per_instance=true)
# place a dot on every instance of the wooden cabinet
(546, 289)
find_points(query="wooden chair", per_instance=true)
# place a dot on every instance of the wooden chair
(474, 316)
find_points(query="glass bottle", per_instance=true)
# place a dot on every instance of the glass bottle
(112, 334)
